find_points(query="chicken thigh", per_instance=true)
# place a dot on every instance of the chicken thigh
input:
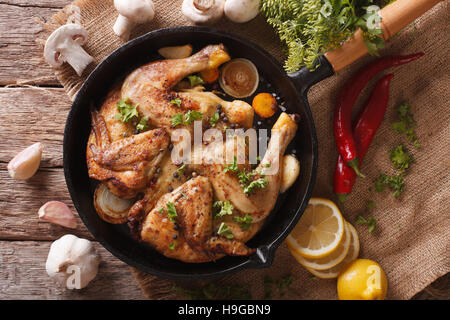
(180, 225)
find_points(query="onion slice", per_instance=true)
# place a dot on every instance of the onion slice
(239, 78)
(109, 207)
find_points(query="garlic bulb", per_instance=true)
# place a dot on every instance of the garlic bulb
(72, 261)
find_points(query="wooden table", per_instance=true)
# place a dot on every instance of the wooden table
(34, 111)
(34, 107)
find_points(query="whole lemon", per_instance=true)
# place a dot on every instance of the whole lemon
(362, 279)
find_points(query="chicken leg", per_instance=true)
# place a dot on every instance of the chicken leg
(180, 225)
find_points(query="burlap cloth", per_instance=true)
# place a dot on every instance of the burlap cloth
(411, 240)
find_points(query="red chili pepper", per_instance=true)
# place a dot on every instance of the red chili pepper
(346, 100)
(365, 127)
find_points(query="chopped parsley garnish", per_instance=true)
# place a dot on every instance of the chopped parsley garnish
(195, 80)
(282, 284)
(406, 123)
(225, 231)
(176, 102)
(245, 178)
(370, 204)
(160, 210)
(181, 169)
(177, 119)
(143, 124)
(223, 208)
(244, 222)
(370, 222)
(126, 111)
(400, 158)
(187, 118)
(214, 119)
(214, 291)
(172, 245)
(260, 183)
(191, 116)
(233, 167)
(172, 212)
(395, 182)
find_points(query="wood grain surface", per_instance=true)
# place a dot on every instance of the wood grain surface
(34, 107)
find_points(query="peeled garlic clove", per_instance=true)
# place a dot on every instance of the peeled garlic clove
(239, 78)
(177, 52)
(291, 170)
(58, 213)
(109, 207)
(25, 164)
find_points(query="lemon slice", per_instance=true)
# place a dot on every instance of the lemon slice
(352, 254)
(319, 231)
(330, 260)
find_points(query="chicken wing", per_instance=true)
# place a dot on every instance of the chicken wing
(126, 165)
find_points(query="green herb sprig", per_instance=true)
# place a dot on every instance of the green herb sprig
(223, 208)
(309, 28)
(406, 123)
(370, 222)
(187, 118)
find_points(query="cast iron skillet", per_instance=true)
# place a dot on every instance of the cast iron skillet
(290, 206)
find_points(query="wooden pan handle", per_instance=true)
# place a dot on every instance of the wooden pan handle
(394, 17)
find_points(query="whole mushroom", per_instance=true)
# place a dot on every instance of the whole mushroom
(132, 12)
(203, 11)
(64, 44)
(72, 261)
(241, 10)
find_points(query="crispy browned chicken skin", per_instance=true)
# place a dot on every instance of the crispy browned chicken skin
(141, 164)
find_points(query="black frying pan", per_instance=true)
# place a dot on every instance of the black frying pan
(290, 206)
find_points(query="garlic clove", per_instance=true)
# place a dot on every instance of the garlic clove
(25, 164)
(291, 170)
(58, 213)
(176, 52)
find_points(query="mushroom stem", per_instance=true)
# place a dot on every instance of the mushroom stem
(123, 27)
(78, 58)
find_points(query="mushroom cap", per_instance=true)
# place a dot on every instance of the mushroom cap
(60, 38)
(203, 11)
(241, 11)
(138, 11)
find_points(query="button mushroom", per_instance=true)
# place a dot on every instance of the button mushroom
(203, 11)
(132, 12)
(64, 44)
(241, 10)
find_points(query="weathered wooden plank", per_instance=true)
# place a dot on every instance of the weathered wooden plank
(21, 200)
(29, 115)
(23, 275)
(20, 55)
